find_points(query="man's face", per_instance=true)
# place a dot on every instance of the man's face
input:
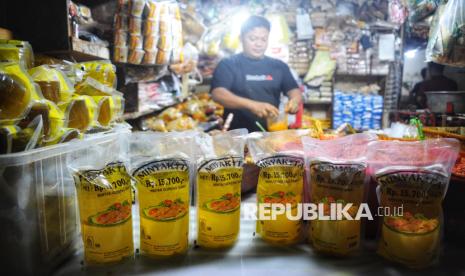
(255, 42)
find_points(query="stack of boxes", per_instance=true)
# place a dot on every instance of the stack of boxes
(359, 110)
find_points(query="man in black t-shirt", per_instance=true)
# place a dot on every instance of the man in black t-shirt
(249, 84)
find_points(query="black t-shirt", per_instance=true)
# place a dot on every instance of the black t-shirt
(261, 80)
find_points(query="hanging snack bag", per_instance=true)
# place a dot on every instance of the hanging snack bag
(338, 175)
(412, 177)
(218, 195)
(279, 155)
(103, 187)
(162, 167)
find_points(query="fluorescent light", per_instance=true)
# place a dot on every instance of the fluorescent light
(411, 53)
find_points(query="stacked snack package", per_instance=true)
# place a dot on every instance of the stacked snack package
(337, 176)
(446, 43)
(361, 111)
(103, 187)
(279, 157)
(148, 32)
(413, 176)
(162, 166)
(69, 103)
(218, 196)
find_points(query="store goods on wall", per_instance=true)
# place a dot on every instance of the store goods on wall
(148, 32)
(362, 111)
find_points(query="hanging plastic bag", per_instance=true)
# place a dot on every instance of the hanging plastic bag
(279, 155)
(103, 187)
(337, 175)
(446, 43)
(162, 166)
(321, 69)
(413, 176)
(218, 195)
(420, 9)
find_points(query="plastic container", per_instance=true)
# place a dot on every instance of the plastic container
(121, 54)
(150, 57)
(136, 41)
(38, 211)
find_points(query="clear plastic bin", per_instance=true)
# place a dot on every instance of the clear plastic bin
(39, 225)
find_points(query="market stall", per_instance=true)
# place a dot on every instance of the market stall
(118, 156)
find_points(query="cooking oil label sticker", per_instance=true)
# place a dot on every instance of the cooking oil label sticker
(163, 187)
(219, 184)
(412, 187)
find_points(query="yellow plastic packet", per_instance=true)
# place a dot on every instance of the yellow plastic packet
(109, 108)
(218, 195)
(92, 87)
(101, 70)
(17, 90)
(103, 187)
(54, 84)
(7, 133)
(161, 164)
(63, 135)
(53, 118)
(279, 155)
(17, 51)
(338, 176)
(79, 112)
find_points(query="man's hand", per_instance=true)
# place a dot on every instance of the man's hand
(263, 110)
(292, 105)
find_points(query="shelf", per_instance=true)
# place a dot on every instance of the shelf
(91, 3)
(73, 55)
(316, 102)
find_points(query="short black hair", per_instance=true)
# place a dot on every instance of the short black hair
(435, 67)
(423, 72)
(253, 22)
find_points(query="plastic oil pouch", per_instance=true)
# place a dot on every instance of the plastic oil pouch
(218, 190)
(17, 51)
(54, 84)
(103, 187)
(162, 166)
(279, 155)
(338, 176)
(412, 179)
(17, 90)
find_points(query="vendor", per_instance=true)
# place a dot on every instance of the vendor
(433, 80)
(249, 84)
